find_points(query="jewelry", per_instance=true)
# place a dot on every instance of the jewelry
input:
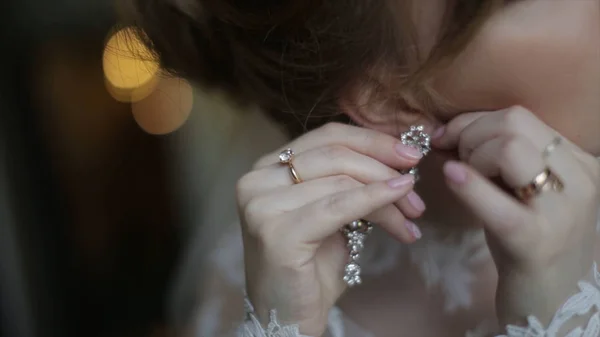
(544, 181)
(355, 233)
(551, 147)
(418, 139)
(286, 157)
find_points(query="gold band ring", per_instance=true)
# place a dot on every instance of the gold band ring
(286, 157)
(544, 181)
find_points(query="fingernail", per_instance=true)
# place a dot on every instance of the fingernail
(409, 152)
(401, 181)
(455, 172)
(439, 132)
(414, 229)
(415, 200)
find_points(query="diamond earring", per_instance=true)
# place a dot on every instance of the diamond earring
(419, 139)
(355, 233)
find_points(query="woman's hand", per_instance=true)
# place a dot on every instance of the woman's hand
(541, 247)
(294, 253)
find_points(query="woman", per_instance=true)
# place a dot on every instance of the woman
(509, 92)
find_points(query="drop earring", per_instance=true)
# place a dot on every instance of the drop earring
(419, 139)
(357, 232)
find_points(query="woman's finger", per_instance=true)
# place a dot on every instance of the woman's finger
(412, 206)
(390, 217)
(517, 160)
(506, 218)
(483, 160)
(334, 161)
(379, 146)
(322, 162)
(324, 217)
(470, 130)
(447, 136)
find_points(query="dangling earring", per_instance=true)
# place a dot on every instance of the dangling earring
(418, 139)
(357, 232)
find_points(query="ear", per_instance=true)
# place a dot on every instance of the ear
(387, 116)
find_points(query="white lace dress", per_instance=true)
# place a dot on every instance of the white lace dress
(442, 286)
(449, 270)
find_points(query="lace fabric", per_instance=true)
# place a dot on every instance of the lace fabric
(584, 303)
(440, 264)
(253, 328)
(338, 326)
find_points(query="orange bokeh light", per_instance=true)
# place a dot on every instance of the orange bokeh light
(130, 69)
(166, 108)
(160, 104)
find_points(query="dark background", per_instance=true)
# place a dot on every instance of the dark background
(88, 238)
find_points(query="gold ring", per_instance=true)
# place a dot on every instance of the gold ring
(551, 147)
(286, 157)
(544, 181)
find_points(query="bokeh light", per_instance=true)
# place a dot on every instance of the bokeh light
(130, 69)
(160, 103)
(166, 108)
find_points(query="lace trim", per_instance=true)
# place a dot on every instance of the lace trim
(580, 304)
(253, 328)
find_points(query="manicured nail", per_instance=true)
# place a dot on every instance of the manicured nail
(409, 152)
(415, 200)
(455, 172)
(401, 181)
(439, 132)
(414, 229)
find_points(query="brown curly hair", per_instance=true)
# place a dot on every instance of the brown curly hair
(295, 58)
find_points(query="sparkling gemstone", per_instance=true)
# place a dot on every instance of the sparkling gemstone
(353, 268)
(417, 138)
(354, 225)
(286, 156)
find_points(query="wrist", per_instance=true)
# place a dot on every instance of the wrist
(547, 303)
(271, 310)
(269, 325)
(540, 289)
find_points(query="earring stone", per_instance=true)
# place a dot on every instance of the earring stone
(419, 139)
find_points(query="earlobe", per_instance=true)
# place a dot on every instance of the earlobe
(385, 117)
(367, 106)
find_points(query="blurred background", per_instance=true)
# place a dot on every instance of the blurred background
(105, 167)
